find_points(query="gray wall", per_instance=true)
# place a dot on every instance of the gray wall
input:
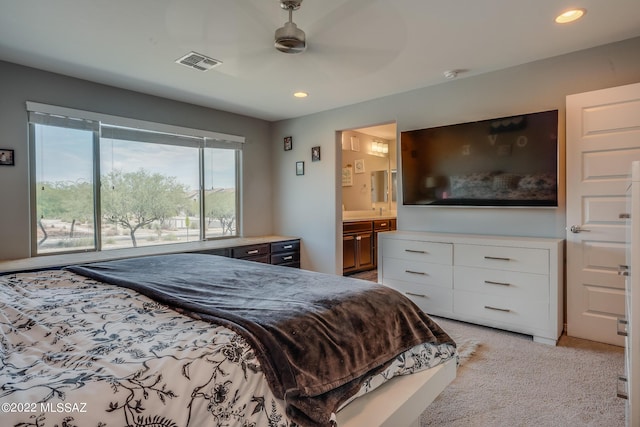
(309, 206)
(275, 199)
(20, 84)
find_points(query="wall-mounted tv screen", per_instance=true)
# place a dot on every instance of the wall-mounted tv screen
(509, 161)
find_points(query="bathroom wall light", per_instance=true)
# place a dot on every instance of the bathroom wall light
(379, 148)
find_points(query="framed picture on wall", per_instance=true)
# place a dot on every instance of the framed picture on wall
(359, 165)
(355, 143)
(288, 143)
(347, 176)
(299, 168)
(315, 154)
(7, 157)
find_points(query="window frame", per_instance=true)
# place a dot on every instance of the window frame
(97, 122)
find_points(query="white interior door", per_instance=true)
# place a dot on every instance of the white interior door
(603, 138)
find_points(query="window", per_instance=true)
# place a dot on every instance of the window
(220, 195)
(102, 184)
(64, 189)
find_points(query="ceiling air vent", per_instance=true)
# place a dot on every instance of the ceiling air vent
(198, 61)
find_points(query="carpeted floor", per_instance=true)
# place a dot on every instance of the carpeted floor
(370, 275)
(511, 381)
(506, 379)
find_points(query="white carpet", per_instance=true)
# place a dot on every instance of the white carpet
(508, 380)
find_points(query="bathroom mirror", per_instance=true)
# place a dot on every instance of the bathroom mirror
(379, 186)
(394, 185)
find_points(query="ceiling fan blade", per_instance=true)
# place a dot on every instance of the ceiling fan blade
(200, 24)
(347, 62)
(342, 16)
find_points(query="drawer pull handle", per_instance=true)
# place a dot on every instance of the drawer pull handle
(489, 282)
(287, 258)
(504, 310)
(621, 391)
(253, 252)
(421, 273)
(497, 258)
(384, 224)
(287, 247)
(413, 251)
(624, 216)
(416, 295)
(622, 327)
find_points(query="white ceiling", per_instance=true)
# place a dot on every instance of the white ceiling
(357, 49)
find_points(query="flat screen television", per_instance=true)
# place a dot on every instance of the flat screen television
(508, 161)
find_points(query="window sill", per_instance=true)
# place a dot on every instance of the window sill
(58, 261)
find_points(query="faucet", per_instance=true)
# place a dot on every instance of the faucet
(380, 211)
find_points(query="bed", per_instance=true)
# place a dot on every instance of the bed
(203, 340)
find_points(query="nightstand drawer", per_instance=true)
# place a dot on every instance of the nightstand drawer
(509, 258)
(525, 286)
(417, 272)
(415, 250)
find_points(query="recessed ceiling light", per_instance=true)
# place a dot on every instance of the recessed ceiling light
(570, 16)
(301, 94)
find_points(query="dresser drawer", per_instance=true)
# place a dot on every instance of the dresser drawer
(286, 246)
(519, 314)
(508, 258)
(417, 272)
(430, 299)
(251, 251)
(220, 252)
(524, 286)
(416, 250)
(285, 258)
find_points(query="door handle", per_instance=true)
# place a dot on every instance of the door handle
(577, 229)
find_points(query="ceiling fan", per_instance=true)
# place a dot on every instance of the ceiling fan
(289, 38)
(251, 41)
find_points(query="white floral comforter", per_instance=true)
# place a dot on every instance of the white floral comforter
(76, 352)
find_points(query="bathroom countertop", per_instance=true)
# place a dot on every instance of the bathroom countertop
(351, 216)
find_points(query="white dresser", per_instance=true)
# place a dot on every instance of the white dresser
(629, 385)
(512, 283)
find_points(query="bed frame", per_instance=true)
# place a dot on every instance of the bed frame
(399, 402)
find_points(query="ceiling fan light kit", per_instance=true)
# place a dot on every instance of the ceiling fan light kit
(289, 38)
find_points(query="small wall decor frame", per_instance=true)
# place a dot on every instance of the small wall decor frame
(7, 157)
(299, 168)
(315, 154)
(355, 143)
(359, 166)
(347, 176)
(288, 143)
